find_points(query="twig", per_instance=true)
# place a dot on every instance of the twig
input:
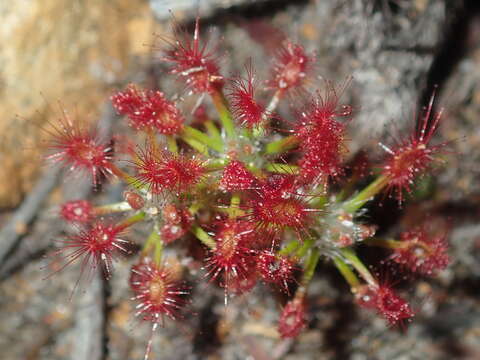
(89, 320)
(17, 226)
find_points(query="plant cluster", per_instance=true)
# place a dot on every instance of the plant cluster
(251, 196)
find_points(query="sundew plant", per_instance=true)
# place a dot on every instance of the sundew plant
(262, 198)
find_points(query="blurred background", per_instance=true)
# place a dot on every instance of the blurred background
(58, 54)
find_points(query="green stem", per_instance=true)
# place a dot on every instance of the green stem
(132, 219)
(358, 200)
(157, 256)
(307, 244)
(234, 205)
(346, 272)
(213, 130)
(385, 243)
(130, 180)
(352, 258)
(259, 130)
(221, 105)
(154, 241)
(202, 149)
(172, 144)
(318, 202)
(193, 209)
(282, 145)
(216, 164)
(112, 208)
(282, 168)
(202, 138)
(148, 243)
(252, 168)
(289, 248)
(347, 189)
(343, 193)
(202, 235)
(310, 266)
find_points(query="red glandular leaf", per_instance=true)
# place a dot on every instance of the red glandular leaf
(275, 269)
(97, 246)
(246, 110)
(290, 67)
(164, 171)
(236, 177)
(177, 223)
(79, 149)
(194, 63)
(136, 201)
(80, 211)
(232, 257)
(413, 156)
(293, 318)
(322, 136)
(421, 252)
(157, 291)
(384, 300)
(277, 206)
(148, 110)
